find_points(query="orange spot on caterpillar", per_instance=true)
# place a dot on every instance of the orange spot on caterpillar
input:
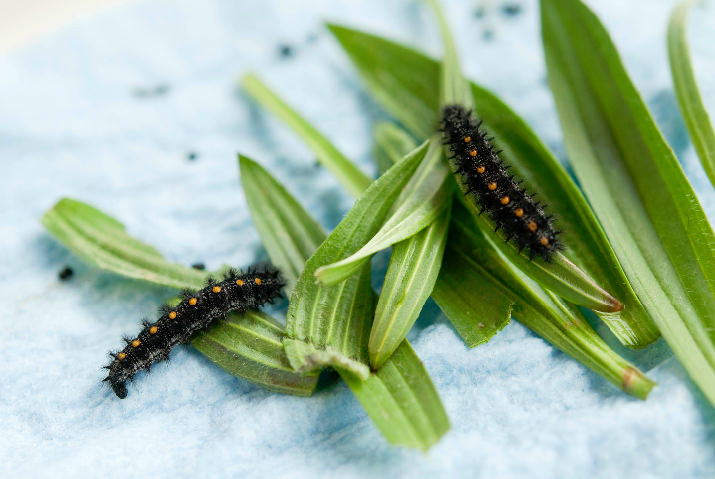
(519, 212)
(240, 282)
(121, 356)
(473, 153)
(153, 330)
(193, 301)
(258, 281)
(492, 186)
(532, 226)
(136, 343)
(216, 289)
(481, 169)
(172, 315)
(544, 241)
(467, 139)
(505, 200)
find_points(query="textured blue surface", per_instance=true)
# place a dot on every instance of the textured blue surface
(71, 124)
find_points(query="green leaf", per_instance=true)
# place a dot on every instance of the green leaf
(541, 311)
(289, 233)
(479, 313)
(414, 78)
(250, 347)
(453, 87)
(560, 275)
(337, 318)
(411, 276)
(585, 240)
(331, 325)
(391, 143)
(635, 184)
(686, 89)
(247, 346)
(401, 400)
(104, 243)
(354, 180)
(425, 198)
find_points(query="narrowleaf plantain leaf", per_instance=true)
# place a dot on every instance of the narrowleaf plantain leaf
(288, 232)
(478, 288)
(337, 318)
(635, 184)
(400, 398)
(247, 346)
(354, 180)
(686, 89)
(424, 199)
(392, 71)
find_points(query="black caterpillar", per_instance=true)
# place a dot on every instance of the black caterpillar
(485, 176)
(197, 311)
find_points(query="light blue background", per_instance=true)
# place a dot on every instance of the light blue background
(70, 126)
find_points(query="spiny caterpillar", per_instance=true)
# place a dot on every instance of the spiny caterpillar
(485, 177)
(196, 312)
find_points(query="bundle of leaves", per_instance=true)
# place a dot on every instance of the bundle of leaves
(637, 246)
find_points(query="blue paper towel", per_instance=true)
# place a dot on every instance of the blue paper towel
(72, 124)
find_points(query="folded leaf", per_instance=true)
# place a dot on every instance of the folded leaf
(541, 311)
(402, 401)
(411, 276)
(337, 318)
(425, 198)
(559, 274)
(412, 415)
(288, 232)
(477, 289)
(247, 346)
(635, 184)
(250, 347)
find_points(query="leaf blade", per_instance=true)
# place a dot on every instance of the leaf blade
(424, 199)
(635, 183)
(405, 421)
(690, 102)
(288, 232)
(402, 401)
(350, 176)
(101, 240)
(321, 315)
(411, 275)
(418, 110)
